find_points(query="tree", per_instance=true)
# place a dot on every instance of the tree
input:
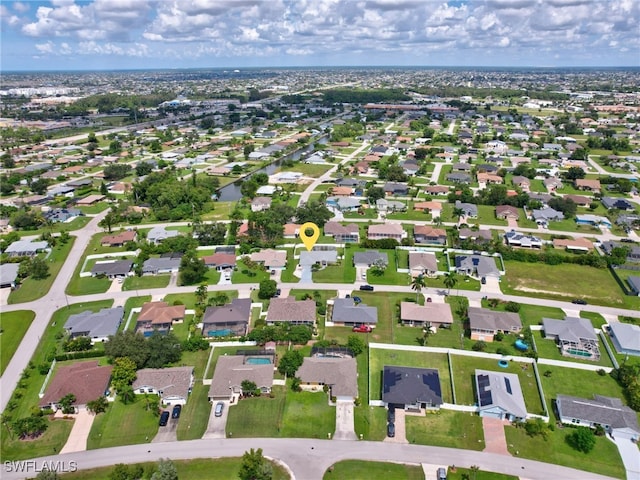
(574, 173)
(313, 211)
(124, 372)
(374, 193)
(166, 471)
(450, 280)
(202, 295)
(418, 283)
(249, 388)
(7, 161)
(116, 171)
(109, 220)
(128, 344)
(254, 466)
(143, 168)
(126, 472)
(99, 405)
(103, 189)
(356, 344)
(39, 269)
(290, 362)
(163, 349)
(249, 188)
(457, 213)
(47, 475)
(67, 403)
(267, 289)
(210, 233)
(30, 427)
(582, 439)
(39, 187)
(192, 269)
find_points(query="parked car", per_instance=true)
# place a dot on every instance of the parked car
(278, 292)
(483, 280)
(367, 288)
(175, 413)
(429, 300)
(391, 430)
(357, 299)
(364, 275)
(579, 301)
(164, 418)
(442, 474)
(391, 415)
(219, 409)
(362, 329)
(273, 272)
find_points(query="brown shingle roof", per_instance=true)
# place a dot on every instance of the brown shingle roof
(291, 310)
(160, 312)
(86, 380)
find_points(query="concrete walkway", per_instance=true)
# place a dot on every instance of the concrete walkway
(77, 441)
(494, 438)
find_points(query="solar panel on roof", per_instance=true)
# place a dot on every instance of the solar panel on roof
(507, 384)
(483, 381)
(486, 399)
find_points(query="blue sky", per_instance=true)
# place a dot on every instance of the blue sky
(123, 34)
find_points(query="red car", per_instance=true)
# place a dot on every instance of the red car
(362, 329)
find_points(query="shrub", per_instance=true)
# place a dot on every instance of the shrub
(582, 439)
(601, 372)
(503, 351)
(512, 307)
(498, 337)
(479, 346)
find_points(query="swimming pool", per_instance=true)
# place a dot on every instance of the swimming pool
(579, 353)
(220, 333)
(257, 360)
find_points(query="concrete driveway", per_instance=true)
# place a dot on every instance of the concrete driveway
(305, 275)
(77, 441)
(168, 433)
(630, 456)
(492, 286)
(344, 421)
(401, 430)
(4, 296)
(494, 437)
(216, 428)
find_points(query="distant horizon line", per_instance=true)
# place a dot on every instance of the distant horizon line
(299, 67)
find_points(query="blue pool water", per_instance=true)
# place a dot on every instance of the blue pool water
(220, 333)
(520, 345)
(258, 360)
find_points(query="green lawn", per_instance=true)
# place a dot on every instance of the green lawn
(146, 281)
(307, 415)
(258, 416)
(75, 224)
(307, 169)
(603, 459)
(87, 285)
(464, 371)
(390, 275)
(123, 425)
(460, 473)
(189, 299)
(446, 428)
(49, 443)
(378, 358)
(342, 272)
(195, 414)
(464, 283)
(245, 275)
(201, 468)
(596, 285)
(31, 289)
(362, 470)
(547, 348)
(13, 326)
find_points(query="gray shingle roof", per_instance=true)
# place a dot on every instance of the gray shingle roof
(602, 410)
(370, 257)
(627, 335)
(289, 309)
(231, 371)
(8, 273)
(318, 256)
(339, 373)
(119, 267)
(99, 324)
(485, 319)
(152, 265)
(173, 381)
(239, 310)
(345, 310)
(571, 329)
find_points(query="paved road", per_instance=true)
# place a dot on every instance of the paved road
(308, 459)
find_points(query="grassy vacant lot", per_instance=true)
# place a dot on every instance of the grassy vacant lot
(31, 289)
(361, 470)
(189, 299)
(562, 281)
(464, 283)
(13, 326)
(307, 415)
(50, 442)
(446, 428)
(603, 459)
(201, 468)
(195, 414)
(123, 425)
(464, 372)
(146, 281)
(378, 358)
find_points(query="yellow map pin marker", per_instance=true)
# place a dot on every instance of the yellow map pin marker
(309, 240)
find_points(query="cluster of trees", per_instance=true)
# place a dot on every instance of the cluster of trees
(155, 351)
(353, 95)
(628, 376)
(192, 269)
(551, 257)
(116, 171)
(347, 130)
(298, 334)
(609, 143)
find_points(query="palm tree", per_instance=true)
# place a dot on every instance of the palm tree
(457, 213)
(450, 280)
(417, 284)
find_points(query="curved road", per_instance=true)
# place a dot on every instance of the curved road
(308, 459)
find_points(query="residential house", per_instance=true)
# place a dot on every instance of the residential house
(411, 388)
(432, 207)
(9, 275)
(173, 384)
(158, 234)
(620, 421)
(340, 374)
(395, 188)
(478, 236)
(552, 183)
(579, 244)
(228, 320)
(370, 258)
(507, 211)
(521, 182)
(98, 326)
(291, 230)
(119, 239)
(587, 184)
(484, 323)
(428, 235)
(617, 203)
(386, 230)
(634, 284)
(343, 204)
(89, 199)
(259, 204)
(390, 206)
(341, 191)
(232, 370)
(478, 265)
(461, 167)
(574, 336)
(436, 190)
(522, 240)
(86, 381)
(423, 263)
(165, 264)
(499, 395)
(158, 317)
(318, 257)
(579, 200)
(546, 214)
(220, 261)
(458, 177)
(61, 215)
(347, 313)
(625, 337)
(26, 248)
(431, 314)
(342, 233)
(270, 258)
(485, 179)
(593, 220)
(292, 311)
(112, 269)
(469, 210)
(633, 254)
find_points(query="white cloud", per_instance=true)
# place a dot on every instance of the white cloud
(21, 7)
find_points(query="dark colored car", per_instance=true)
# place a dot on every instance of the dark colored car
(175, 413)
(391, 430)
(367, 288)
(579, 301)
(483, 280)
(391, 415)
(278, 292)
(164, 418)
(357, 299)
